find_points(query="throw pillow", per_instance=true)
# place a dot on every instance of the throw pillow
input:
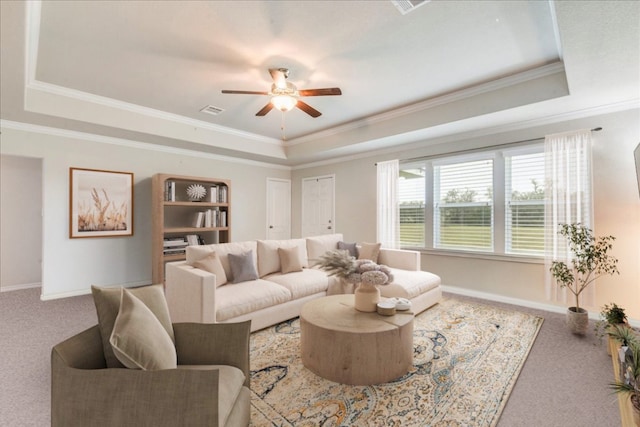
(290, 259)
(139, 340)
(351, 247)
(107, 302)
(369, 251)
(212, 264)
(242, 267)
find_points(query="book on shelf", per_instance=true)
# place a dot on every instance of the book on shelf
(170, 191)
(218, 194)
(213, 194)
(193, 239)
(174, 242)
(172, 251)
(222, 194)
(198, 219)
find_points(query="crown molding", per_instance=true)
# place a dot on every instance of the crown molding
(480, 89)
(47, 130)
(422, 136)
(146, 111)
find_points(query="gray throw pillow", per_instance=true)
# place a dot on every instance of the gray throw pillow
(242, 267)
(351, 247)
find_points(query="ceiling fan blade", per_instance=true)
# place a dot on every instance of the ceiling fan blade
(245, 92)
(308, 109)
(279, 76)
(320, 92)
(265, 109)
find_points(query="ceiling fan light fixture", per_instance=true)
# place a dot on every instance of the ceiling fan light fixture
(284, 102)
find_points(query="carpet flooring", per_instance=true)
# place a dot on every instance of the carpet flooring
(466, 359)
(562, 383)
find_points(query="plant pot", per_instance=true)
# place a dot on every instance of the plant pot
(367, 298)
(577, 321)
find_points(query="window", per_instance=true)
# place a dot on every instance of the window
(463, 200)
(412, 205)
(524, 197)
(490, 201)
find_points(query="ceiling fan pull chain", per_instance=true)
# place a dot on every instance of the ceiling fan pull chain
(284, 137)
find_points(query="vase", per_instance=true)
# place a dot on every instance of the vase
(577, 321)
(367, 298)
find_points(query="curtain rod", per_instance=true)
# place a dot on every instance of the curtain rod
(471, 150)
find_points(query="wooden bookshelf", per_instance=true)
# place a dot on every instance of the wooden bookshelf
(173, 216)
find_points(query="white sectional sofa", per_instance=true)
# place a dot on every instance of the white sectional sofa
(195, 294)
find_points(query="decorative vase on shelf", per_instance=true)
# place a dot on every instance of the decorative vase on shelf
(367, 297)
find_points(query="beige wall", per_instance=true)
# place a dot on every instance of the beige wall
(71, 266)
(616, 200)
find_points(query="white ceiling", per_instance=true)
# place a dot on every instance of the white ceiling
(142, 70)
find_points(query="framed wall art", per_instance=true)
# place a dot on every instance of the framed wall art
(100, 203)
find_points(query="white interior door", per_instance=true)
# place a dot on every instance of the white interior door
(278, 209)
(318, 216)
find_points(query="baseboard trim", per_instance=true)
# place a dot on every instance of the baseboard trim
(521, 302)
(20, 287)
(80, 292)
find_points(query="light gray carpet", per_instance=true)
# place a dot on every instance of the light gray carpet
(563, 382)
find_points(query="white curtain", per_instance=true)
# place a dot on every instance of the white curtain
(388, 215)
(569, 200)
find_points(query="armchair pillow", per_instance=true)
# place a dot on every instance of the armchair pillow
(243, 267)
(139, 340)
(212, 264)
(107, 302)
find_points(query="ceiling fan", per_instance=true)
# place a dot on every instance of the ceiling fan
(285, 95)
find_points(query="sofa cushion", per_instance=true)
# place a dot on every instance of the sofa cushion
(139, 340)
(107, 302)
(269, 259)
(302, 283)
(369, 251)
(212, 264)
(194, 253)
(409, 284)
(246, 297)
(243, 267)
(319, 245)
(230, 381)
(351, 247)
(290, 260)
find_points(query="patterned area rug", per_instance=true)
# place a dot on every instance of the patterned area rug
(466, 360)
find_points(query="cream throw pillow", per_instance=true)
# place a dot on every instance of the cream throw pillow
(369, 251)
(139, 340)
(107, 302)
(212, 264)
(290, 259)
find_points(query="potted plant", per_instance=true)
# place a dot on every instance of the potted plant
(590, 260)
(611, 314)
(629, 381)
(365, 273)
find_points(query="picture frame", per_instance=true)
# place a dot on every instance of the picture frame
(100, 203)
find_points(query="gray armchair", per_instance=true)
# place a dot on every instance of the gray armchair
(209, 388)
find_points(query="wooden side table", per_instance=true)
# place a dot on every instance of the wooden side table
(347, 346)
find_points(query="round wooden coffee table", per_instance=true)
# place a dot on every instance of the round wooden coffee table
(347, 346)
